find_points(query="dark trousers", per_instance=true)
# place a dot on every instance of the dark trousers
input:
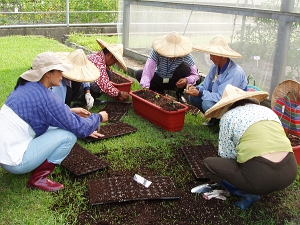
(72, 92)
(79, 98)
(256, 176)
(156, 84)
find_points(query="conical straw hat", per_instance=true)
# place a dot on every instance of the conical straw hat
(218, 46)
(282, 90)
(172, 45)
(83, 70)
(116, 50)
(231, 95)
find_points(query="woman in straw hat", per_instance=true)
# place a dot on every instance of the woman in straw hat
(224, 71)
(75, 85)
(109, 55)
(27, 144)
(256, 157)
(170, 66)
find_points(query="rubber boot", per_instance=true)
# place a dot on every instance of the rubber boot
(246, 199)
(38, 178)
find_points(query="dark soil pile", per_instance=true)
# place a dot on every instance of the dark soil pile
(159, 100)
(295, 140)
(115, 78)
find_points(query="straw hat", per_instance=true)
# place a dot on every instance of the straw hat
(172, 45)
(116, 50)
(42, 64)
(283, 88)
(218, 46)
(231, 95)
(83, 70)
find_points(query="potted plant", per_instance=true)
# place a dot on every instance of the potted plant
(159, 109)
(296, 150)
(295, 142)
(121, 82)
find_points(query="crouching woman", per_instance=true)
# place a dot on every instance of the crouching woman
(256, 155)
(37, 129)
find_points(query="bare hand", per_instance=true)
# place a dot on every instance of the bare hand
(81, 112)
(104, 116)
(191, 90)
(95, 134)
(123, 96)
(181, 83)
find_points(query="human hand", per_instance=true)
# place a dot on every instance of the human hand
(81, 112)
(181, 83)
(104, 116)
(191, 90)
(123, 96)
(89, 100)
(95, 134)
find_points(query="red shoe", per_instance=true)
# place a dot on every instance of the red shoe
(38, 178)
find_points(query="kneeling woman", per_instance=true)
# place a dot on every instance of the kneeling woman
(256, 155)
(37, 129)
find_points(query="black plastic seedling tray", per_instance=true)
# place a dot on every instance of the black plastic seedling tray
(80, 161)
(122, 189)
(113, 130)
(195, 156)
(116, 110)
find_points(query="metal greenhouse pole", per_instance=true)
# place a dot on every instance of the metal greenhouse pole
(282, 45)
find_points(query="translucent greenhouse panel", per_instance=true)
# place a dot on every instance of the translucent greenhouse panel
(254, 38)
(254, 4)
(256, 41)
(293, 66)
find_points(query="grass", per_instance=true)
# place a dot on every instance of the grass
(146, 147)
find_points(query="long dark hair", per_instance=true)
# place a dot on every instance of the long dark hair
(21, 81)
(242, 103)
(105, 51)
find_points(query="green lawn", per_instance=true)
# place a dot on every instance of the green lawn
(19, 205)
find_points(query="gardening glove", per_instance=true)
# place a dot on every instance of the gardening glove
(219, 194)
(89, 101)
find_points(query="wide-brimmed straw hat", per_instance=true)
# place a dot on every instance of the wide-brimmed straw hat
(83, 70)
(283, 89)
(116, 50)
(43, 63)
(231, 95)
(219, 47)
(172, 45)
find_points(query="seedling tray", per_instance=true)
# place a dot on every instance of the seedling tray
(113, 130)
(116, 110)
(195, 156)
(121, 189)
(80, 161)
